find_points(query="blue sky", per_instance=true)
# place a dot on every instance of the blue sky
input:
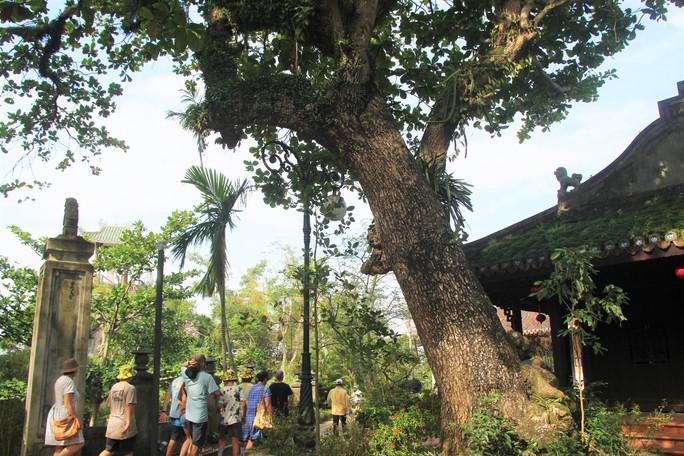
(511, 181)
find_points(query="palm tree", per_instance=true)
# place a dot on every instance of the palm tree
(193, 119)
(216, 213)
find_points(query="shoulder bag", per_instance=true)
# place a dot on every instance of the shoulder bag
(65, 429)
(263, 419)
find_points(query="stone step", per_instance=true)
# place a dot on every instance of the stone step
(667, 438)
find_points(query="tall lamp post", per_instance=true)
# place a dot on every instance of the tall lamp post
(308, 172)
(158, 303)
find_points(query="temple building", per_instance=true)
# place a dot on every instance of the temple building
(631, 214)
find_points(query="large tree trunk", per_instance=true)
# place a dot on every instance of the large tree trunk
(457, 324)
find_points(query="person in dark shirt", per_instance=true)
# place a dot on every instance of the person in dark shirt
(280, 392)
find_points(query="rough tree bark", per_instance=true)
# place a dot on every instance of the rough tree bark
(457, 324)
(463, 339)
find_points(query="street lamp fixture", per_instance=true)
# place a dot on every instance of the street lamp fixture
(308, 171)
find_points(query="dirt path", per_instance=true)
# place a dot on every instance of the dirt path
(326, 428)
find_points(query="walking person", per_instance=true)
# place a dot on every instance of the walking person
(65, 406)
(121, 425)
(232, 405)
(174, 414)
(280, 394)
(338, 400)
(197, 386)
(246, 376)
(258, 393)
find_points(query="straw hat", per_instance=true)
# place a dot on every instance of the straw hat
(247, 373)
(70, 365)
(229, 376)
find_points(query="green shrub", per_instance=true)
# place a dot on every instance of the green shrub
(405, 433)
(352, 442)
(12, 388)
(279, 440)
(490, 433)
(383, 400)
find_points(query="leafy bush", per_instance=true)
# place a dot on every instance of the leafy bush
(490, 433)
(383, 400)
(280, 439)
(12, 388)
(405, 432)
(352, 442)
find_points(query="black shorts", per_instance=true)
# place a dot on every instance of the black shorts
(120, 447)
(177, 433)
(198, 432)
(230, 431)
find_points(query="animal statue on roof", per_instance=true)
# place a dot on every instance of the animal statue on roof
(566, 181)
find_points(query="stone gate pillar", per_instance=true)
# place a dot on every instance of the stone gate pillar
(60, 327)
(147, 407)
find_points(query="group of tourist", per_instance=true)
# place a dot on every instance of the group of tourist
(185, 406)
(64, 429)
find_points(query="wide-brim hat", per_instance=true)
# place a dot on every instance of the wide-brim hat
(125, 372)
(70, 365)
(229, 376)
(247, 373)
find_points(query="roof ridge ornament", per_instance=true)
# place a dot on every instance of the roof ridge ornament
(670, 108)
(565, 181)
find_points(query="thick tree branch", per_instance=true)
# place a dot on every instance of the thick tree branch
(550, 6)
(547, 77)
(511, 42)
(287, 101)
(53, 31)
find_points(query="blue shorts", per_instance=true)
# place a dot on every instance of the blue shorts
(178, 422)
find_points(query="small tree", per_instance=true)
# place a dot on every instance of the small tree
(216, 214)
(572, 285)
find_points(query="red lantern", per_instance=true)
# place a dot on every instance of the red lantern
(679, 273)
(541, 318)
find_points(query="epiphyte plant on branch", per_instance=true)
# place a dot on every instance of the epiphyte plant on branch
(367, 81)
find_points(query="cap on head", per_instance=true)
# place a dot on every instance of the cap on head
(339, 381)
(69, 366)
(125, 372)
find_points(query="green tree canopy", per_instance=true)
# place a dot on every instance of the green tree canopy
(367, 84)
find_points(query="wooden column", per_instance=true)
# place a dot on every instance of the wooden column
(516, 318)
(561, 347)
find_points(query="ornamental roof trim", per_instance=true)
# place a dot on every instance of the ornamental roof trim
(631, 209)
(107, 235)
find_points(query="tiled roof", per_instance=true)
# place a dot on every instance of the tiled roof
(107, 235)
(645, 224)
(531, 327)
(631, 210)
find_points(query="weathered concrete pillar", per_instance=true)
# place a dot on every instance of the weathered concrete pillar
(60, 326)
(147, 407)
